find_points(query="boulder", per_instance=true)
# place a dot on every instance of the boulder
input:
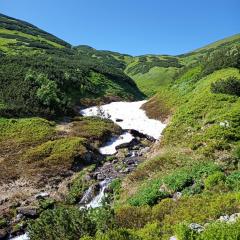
(30, 211)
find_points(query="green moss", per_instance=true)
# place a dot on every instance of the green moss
(60, 151)
(25, 130)
(214, 179)
(94, 129)
(156, 189)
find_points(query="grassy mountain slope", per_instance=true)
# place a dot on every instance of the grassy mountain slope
(42, 75)
(151, 72)
(198, 157)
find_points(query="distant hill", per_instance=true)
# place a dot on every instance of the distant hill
(41, 74)
(153, 71)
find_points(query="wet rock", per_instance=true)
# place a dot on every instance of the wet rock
(30, 211)
(196, 227)
(3, 234)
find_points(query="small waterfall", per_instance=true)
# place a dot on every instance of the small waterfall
(97, 200)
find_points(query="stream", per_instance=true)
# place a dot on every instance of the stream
(136, 126)
(127, 150)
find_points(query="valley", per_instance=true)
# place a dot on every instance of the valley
(99, 145)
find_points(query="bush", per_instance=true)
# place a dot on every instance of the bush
(221, 231)
(67, 223)
(133, 217)
(183, 232)
(233, 181)
(230, 86)
(119, 234)
(214, 179)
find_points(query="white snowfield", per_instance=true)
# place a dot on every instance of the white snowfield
(128, 115)
(21, 237)
(110, 147)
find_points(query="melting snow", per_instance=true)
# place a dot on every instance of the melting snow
(21, 237)
(128, 115)
(110, 147)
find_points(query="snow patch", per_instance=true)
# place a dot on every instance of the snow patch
(131, 115)
(110, 146)
(21, 237)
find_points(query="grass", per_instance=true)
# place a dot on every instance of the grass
(94, 129)
(25, 130)
(150, 82)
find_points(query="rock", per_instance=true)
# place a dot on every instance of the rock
(3, 234)
(173, 238)
(233, 218)
(119, 120)
(114, 161)
(177, 196)
(196, 227)
(30, 211)
(224, 218)
(164, 188)
(100, 177)
(225, 124)
(42, 195)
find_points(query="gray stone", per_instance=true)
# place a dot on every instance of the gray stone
(224, 218)
(30, 211)
(177, 196)
(196, 227)
(233, 218)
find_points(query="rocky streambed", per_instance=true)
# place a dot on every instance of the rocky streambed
(127, 150)
(121, 154)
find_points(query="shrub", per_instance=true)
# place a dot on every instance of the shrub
(183, 232)
(233, 181)
(230, 86)
(133, 217)
(151, 231)
(214, 179)
(61, 223)
(149, 194)
(218, 230)
(103, 218)
(118, 234)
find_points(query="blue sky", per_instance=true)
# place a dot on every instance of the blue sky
(132, 26)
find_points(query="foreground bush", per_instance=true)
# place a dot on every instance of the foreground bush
(66, 223)
(214, 231)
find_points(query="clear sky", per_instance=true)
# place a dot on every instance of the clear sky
(132, 26)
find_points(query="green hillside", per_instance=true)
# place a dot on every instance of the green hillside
(44, 76)
(151, 72)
